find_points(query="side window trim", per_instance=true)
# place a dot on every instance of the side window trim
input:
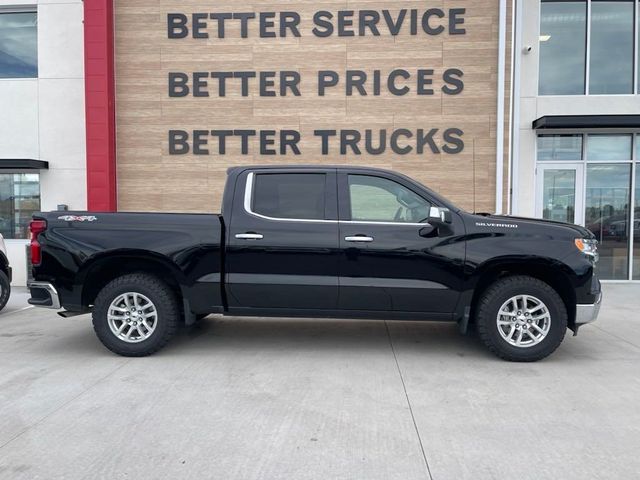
(248, 197)
(344, 200)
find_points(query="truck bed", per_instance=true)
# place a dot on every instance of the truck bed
(186, 247)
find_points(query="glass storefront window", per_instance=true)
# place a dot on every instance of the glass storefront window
(18, 45)
(636, 227)
(609, 147)
(593, 187)
(612, 52)
(559, 147)
(559, 194)
(606, 215)
(563, 28)
(19, 199)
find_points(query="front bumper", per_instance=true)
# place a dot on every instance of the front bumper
(588, 313)
(44, 294)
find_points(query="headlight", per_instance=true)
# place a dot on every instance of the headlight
(588, 246)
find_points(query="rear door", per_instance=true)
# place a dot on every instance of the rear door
(282, 243)
(391, 259)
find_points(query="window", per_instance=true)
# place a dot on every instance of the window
(609, 147)
(594, 179)
(290, 195)
(563, 27)
(611, 56)
(18, 45)
(559, 194)
(377, 199)
(636, 224)
(601, 31)
(607, 216)
(559, 147)
(19, 199)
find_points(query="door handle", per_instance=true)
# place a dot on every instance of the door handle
(359, 238)
(249, 236)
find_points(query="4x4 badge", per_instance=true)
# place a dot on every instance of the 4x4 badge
(78, 218)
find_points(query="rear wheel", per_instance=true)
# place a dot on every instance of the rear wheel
(521, 319)
(135, 315)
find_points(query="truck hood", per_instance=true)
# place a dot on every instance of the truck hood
(508, 219)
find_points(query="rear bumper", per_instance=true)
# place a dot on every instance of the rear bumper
(588, 313)
(44, 294)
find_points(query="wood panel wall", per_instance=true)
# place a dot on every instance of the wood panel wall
(149, 179)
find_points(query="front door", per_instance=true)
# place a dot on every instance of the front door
(283, 240)
(391, 259)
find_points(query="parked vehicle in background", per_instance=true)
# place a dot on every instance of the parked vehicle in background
(342, 242)
(5, 274)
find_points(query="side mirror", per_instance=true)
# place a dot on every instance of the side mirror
(439, 215)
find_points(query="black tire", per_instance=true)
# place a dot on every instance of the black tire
(5, 289)
(493, 299)
(162, 297)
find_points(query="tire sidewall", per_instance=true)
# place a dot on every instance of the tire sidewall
(553, 303)
(164, 308)
(5, 287)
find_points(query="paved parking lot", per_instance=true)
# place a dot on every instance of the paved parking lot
(306, 399)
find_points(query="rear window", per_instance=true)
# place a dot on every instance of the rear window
(290, 195)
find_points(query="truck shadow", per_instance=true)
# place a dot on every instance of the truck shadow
(231, 333)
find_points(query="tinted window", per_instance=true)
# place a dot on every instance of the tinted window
(563, 27)
(290, 195)
(611, 63)
(18, 45)
(378, 199)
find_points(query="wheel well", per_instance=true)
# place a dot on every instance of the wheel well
(108, 269)
(552, 276)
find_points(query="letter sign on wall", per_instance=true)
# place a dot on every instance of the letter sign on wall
(201, 89)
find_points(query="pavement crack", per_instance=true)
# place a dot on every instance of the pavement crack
(64, 404)
(404, 387)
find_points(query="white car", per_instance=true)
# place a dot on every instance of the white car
(5, 274)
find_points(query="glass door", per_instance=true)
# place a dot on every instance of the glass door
(560, 192)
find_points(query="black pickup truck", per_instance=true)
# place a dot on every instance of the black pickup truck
(316, 241)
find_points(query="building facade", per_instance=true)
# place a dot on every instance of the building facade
(509, 106)
(42, 116)
(576, 120)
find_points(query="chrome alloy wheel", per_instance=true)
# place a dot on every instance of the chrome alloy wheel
(523, 321)
(132, 317)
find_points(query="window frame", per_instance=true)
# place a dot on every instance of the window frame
(24, 9)
(587, 71)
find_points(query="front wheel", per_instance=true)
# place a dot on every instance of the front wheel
(135, 315)
(521, 319)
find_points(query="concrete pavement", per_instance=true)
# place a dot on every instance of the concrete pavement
(240, 398)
